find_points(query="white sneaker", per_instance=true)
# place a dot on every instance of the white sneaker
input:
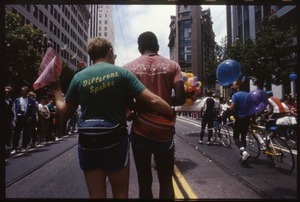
(23, 150)
(208, 143)
(200, 142)
(245, 156)
(13, 151)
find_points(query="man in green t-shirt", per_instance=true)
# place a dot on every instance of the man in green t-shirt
(102, 90)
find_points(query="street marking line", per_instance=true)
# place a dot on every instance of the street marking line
(178, 194)
(184, 184)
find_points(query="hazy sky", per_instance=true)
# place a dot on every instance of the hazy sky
(132, 20)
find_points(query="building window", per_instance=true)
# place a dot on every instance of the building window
(35, 11)
(185, 14)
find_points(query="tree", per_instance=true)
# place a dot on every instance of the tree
(272, 49)
(265, 60)
(212, 65)
(23, 51)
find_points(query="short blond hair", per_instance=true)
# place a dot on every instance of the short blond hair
(98, 47)
(31, 94)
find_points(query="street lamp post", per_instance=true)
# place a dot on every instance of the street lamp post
(46, 42)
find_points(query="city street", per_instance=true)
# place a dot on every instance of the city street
(201, 171)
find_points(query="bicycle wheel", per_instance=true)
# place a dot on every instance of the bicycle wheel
(281, 154)
(289, 135)
(291, 138)
(225, 136)
(216, 131)
(253, 146)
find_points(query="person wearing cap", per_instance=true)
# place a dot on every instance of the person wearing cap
(242, 122)
(8, 115)
(161, 76)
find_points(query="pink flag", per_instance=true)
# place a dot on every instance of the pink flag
(49, 70)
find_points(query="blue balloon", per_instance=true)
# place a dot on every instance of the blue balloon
(255, 102)
(228, 72)
(293, 77)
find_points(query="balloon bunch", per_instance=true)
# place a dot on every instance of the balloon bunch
(192, 87)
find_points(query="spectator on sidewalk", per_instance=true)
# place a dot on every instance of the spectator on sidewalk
(32, 95)
(25, 110)
(43, 122)
(52, 122)
(8, 115)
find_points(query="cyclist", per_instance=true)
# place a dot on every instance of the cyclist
(275, 108)
(242, 122)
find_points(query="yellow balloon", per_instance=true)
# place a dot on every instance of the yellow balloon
(200, 84)
(187, 84)
(189, 75)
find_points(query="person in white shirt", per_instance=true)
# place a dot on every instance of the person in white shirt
(44, 117)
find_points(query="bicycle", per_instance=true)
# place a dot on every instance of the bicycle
(221, 132)
(265, 139)
(287, 127)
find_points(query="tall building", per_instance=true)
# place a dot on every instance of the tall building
(64, 26)
(244, 21)
(102, 23)
(191, 39)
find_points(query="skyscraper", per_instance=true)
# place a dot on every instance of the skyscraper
(191, 39)
(65, 27)
(102, 23)
(245, 21)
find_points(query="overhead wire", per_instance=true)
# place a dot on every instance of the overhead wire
(121, 31)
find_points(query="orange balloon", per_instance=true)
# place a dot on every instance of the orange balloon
(189, 101)
(189, 89)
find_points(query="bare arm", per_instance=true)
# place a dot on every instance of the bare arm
(179, 97)
(64, 109)
(156, 103)
(232, 106)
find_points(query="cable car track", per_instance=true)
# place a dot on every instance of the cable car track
(36, 167)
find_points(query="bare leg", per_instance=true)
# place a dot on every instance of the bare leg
(120, 182)
(96, 183)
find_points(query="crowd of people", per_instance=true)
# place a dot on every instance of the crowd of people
(235, 107)
(31, 121)
(104, 96)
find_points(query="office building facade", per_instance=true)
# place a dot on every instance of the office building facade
(102, 23)
(65, 27)
(244, 21)
(191, 39)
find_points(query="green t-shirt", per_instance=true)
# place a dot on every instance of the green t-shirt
(101, 90)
